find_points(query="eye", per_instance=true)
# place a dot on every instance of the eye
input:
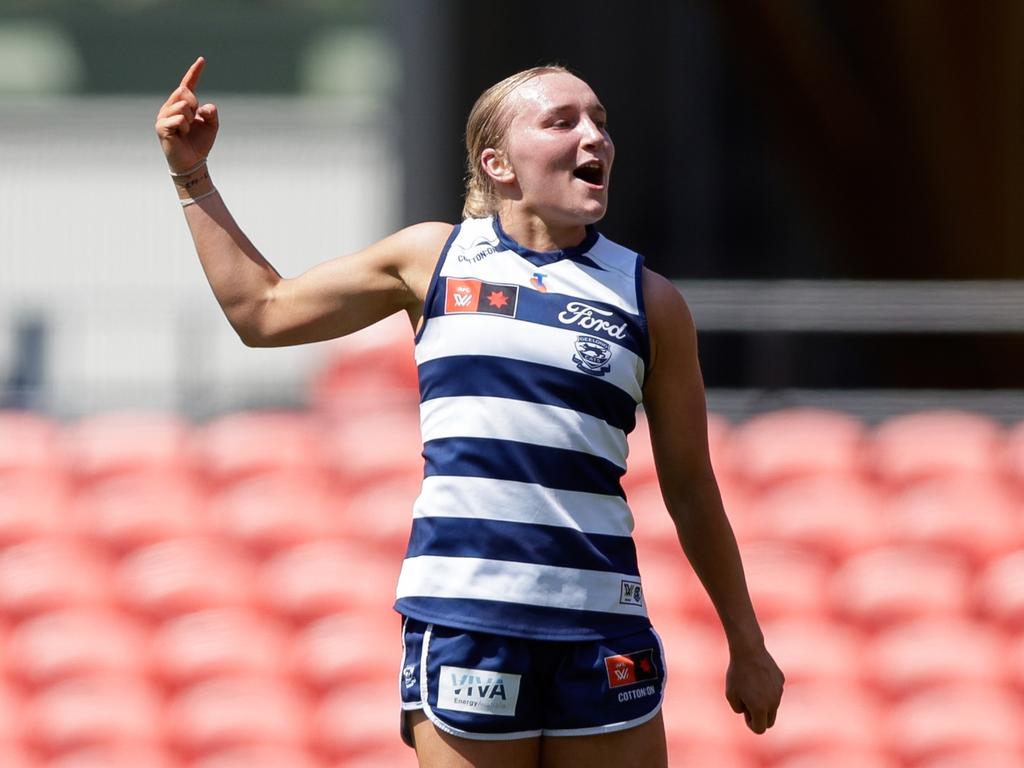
(562, 123)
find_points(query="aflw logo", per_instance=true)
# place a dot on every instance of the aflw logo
(478, 690)
(591, 318)
(463, 298)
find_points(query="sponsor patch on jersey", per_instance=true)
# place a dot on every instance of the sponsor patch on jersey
(592, 355)
(593, 319)
(478, 690)
(630, 668)
(470, 295)
(631, 593)
(537, 281)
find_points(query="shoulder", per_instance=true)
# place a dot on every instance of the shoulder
(424, 239)
(669, 321)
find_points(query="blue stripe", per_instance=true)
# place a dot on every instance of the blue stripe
(558, 468)
(487, 376)
(545, 308)
(521, 543)
(645, 350)
(529, 621)
(430, 300)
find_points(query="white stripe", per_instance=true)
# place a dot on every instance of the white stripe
(510, 582)
(500, 418)
(448, 335)
(486, 499)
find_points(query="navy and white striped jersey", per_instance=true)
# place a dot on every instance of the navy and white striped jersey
(530, 369)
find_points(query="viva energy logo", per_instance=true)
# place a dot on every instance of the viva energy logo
(478, 690)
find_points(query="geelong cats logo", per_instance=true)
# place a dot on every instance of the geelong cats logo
(592, 355)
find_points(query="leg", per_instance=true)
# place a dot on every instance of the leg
(437, 749)
(640, 747)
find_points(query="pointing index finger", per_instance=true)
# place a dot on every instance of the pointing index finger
(191, 78)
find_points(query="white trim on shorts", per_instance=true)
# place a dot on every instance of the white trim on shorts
(591, 731)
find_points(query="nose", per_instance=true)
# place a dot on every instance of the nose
(592, 134)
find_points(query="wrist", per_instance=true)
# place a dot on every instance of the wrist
(193, 184)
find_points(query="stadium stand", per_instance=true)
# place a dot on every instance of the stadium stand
(221, 597)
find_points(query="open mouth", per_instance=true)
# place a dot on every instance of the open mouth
(592, 172)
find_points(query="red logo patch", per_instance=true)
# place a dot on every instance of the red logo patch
(631, 668)
(462, 296)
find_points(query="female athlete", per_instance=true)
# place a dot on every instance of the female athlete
(525, 632)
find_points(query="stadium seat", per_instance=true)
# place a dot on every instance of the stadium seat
(971, 515)
(344, 649)
(258, 756)
(653, 527)
(797, 442)
(183, 575)
(683, 755)
(999, 590)
(29, 441)
(929, 652)
(698, 715)
(12, 715)
(350, 720)
(809, 650)
(277, 509)
(394, 755)
(132, 510)
(238, 711)
(315, 579)
(111, 443)
(843, 757)
(671, 588)
(889, 584)
(822, 716)
(641, 467)
(93, 710)
(1015, 660)
(47, 574)
(247, 443)
(696, 654)
(76, 641)
(980, 757)
(835, 515)
(116, 756)
(950, 719)
(215, 643)
(33, 505)
(380, 515)
(368, 447)
(907, 449)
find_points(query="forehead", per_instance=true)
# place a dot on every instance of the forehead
(551, 91)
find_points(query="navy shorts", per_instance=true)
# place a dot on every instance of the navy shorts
(483, 686)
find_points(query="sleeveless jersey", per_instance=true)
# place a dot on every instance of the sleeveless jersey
(530, 372)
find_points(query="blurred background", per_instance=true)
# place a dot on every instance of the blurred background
(199, 541)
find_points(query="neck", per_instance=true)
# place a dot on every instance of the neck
(532, 232)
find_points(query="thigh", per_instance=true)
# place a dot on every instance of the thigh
(639, 747)
(437, 749)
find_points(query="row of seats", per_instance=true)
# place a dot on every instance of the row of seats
(370, 442)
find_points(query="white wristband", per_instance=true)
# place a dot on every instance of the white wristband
(190, 200)
(190, 171)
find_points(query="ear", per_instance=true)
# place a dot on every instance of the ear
(496, 165)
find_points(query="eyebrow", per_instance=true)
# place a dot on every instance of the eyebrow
(551, 111)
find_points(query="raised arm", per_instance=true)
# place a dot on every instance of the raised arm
(331, 299)
(677, 415)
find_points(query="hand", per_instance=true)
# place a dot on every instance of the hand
(186, 130)
(753, 686)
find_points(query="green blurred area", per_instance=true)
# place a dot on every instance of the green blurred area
(336, 47)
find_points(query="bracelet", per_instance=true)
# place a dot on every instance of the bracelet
(189, 200)
(190, 171)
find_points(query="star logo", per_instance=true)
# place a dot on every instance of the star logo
(497, 299)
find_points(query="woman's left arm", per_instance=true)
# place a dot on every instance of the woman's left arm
(677, 416)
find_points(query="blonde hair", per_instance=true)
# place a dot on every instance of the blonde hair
(487, 126)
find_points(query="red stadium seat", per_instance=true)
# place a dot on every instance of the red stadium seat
(971, 515)
(889, 585)
(696, 654)
(247, 443)
(371, 446)
(323, 577)
(835, 515)
(394, 755)
(844, 757)
(33, 505)
(699, 716)
(641, 467)
(826, 717)
(258, 756)
(999, 590)
(907, 449)
(683, 755)
(797, 442)
(949, 719)
(380, 515)
(107, 444)
(670, 587)
(979, 757)
(16, 756)
(238, 711)
(29, 441)
(278, 509)
(12, 715)
(47, 574)
(810, 650)
(653, 526)
(357, 719)
(91, 711)
(132, 510)
(74, 642)
(216, 643)
(1015, 660)
(184, 575)
(345, 649)
(116, 756)
(929, 652)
